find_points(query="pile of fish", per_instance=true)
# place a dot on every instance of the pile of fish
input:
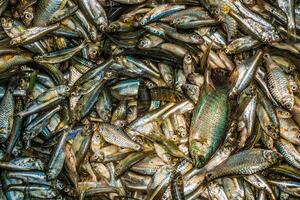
(149, 100)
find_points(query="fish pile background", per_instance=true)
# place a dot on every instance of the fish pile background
(149, 100)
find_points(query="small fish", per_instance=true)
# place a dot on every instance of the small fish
(245, 163)
(278, 84)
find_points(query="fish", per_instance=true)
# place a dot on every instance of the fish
(208, 125)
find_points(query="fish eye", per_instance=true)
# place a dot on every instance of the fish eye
(95, 157)
(118, 58)
(139, 140)
(16, 152)
(28, 16)
(105, 118)
(12, 42)
(111, 26)
(217, 11)
(183, 134)
(188, 58)
(93, 52)
(94, 126)
(170, 81)
(73, 117)
(68, 89)
(98, 136)
(289, 106)
(3, 20)
(266, 56)
(122, 123)
(59, 197)
(150, 84)
(142, 43)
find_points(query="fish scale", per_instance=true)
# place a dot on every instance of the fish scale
(6, 115)
(289, 152)
(245, 162)
(45, 10)
(208, 125)
(278, 85)
(231, 27)
(229, 22)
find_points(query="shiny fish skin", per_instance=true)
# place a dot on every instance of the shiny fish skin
(130, 2)
(289, 187)
(208, 126)
(241, 44)
(56, 162)
(260, 182)
(94, 11)
(160, 12)
(45, 10)
(23, 164)
(289, 130)
(233, 188)
(7, 105)
(245, 73)
(33, 34)
(289, 8)
(177, 187)
(289, 152)
(9, 60)
(245, 162)
(278, 84)
(160, 180)
(37, 191)
(112, 135)
(129, 161)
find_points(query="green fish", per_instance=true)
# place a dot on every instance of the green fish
(208, 125)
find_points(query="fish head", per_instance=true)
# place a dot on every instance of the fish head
(272, 156)
(63, 90)
(288, 102)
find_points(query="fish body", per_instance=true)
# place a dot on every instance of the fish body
(208, 125)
